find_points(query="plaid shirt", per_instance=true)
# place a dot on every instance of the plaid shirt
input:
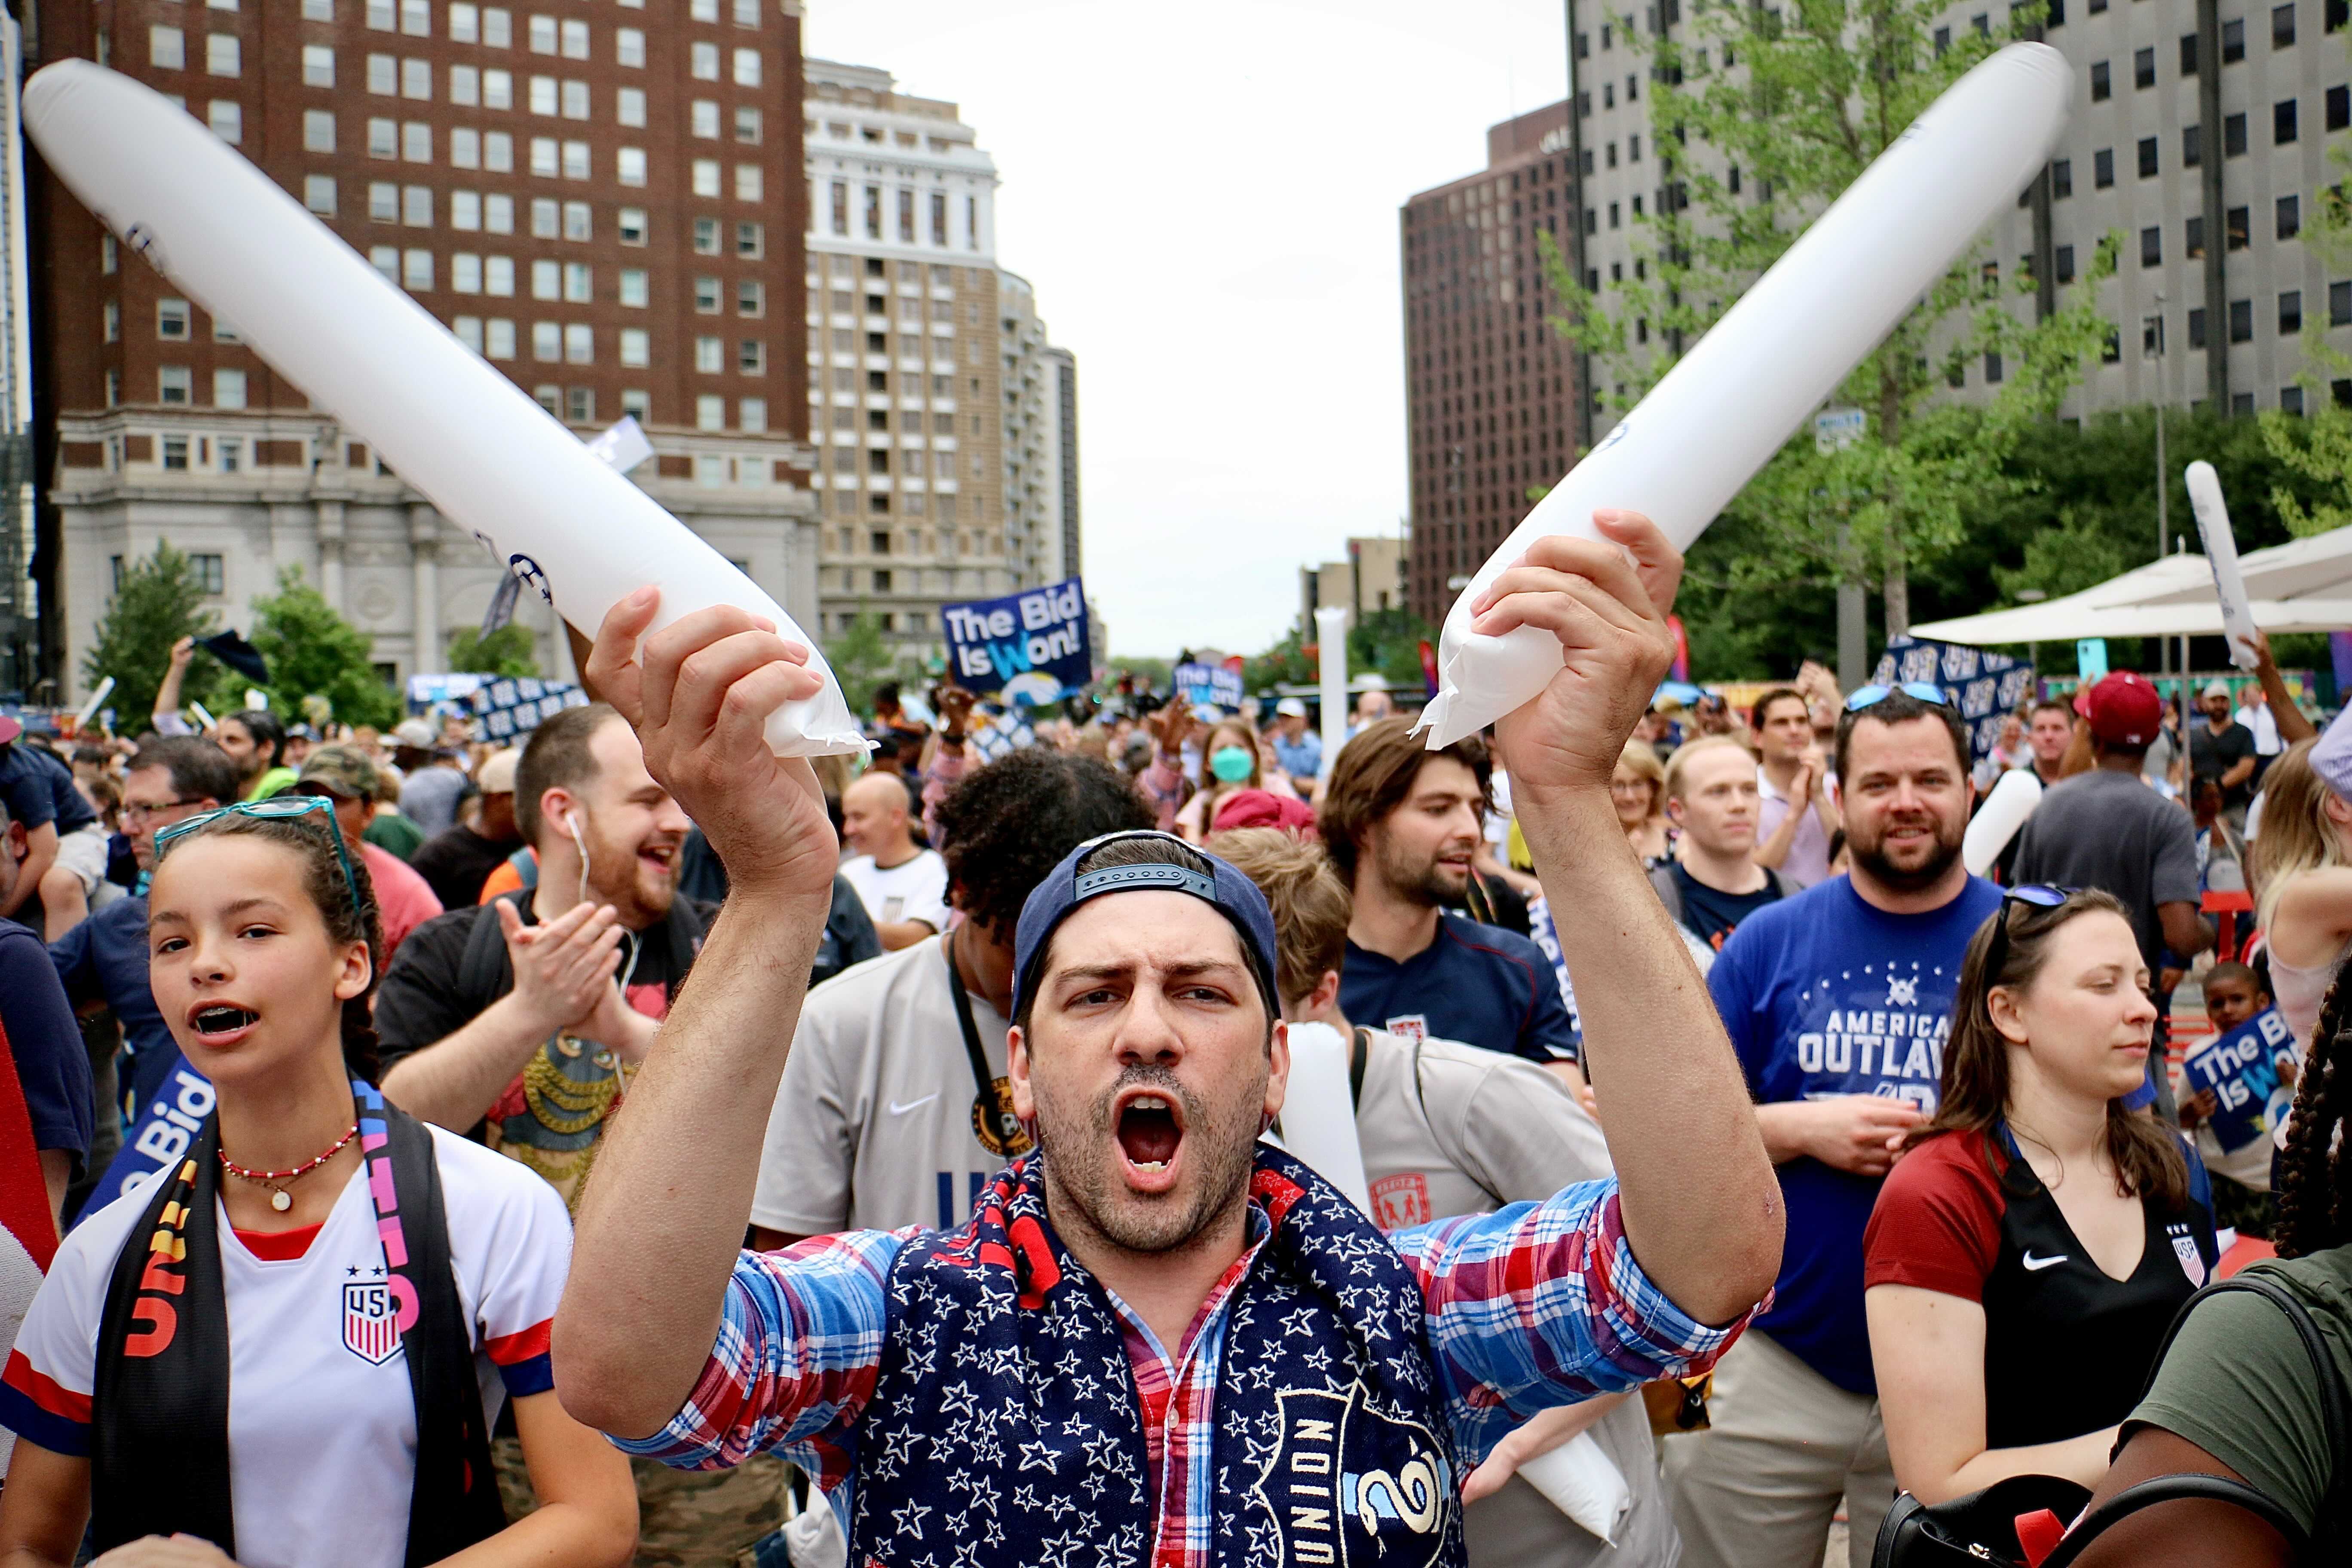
(1534, 1306)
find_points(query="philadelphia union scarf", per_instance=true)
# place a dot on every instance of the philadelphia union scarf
(1004, 1431)
(159, 1413)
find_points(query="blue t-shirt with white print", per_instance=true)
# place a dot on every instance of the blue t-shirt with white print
(1824, 994)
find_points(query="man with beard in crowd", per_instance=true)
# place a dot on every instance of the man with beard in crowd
(1146, 1336)
(521, 1022)
(1838, 1002)
(1401, 824)
(1794, 814)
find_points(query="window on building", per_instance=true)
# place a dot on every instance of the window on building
(580, 404)
(747, 127)
(549, 398)
(318, 66)
(175, 458)
(702, 61)
(2143, 68)
(386, 259)
(2339, 304)
(706, 236)
(2289, 216)
(416, 80)
(706, 296)
(751, 357)
(172, 384)
(1992, 369)
(2062, 179)
(705, 177)
(577, 222)
(498, 90)
(384, 137)
(2336, 13)
(207, 569)
(709, 355)
(747, 67)
(579, 344)
(629, 47)
(2283, 122)
(383, 75)
(2239, 227)
(547, 342)
(2241, 320)
(710, 413)
(543, 35)
(498, 214)
(2233, 42)
(751, 416)
(547, 280)
(417, 142)
(751, 298)
(542, 95)
(381, 16)
(464, 273)
(576, 40)
(319, 193)
(225, 116)
(318, 10)
(635, 289)
(416, 207)
(2151, 248)
(2147, 157)
(579, 283)
(465, 23)
(636, 348)
(576, 161)
(231, 449)
(2290, 312)
(2100, 88)
(2063, 259)
(2192, 147)
(167, 48)
(637, 404)
(2192, 230)
(629, 106)
(416, 270)
(631, 223)
(575, 100)
(748, 185)
(702, 119)
(751, 239)
(499, 335)
(498, 27)
(629, 167)
(2102, 169)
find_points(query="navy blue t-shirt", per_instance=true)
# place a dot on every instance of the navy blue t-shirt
(1476, 983)
(1824, 995)
(45, 1043)
(39, 789)
(104, 958)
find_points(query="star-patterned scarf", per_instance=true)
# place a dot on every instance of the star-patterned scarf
(1004, 1430)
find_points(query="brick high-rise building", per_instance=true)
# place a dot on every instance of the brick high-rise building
(945, 424)
(606, 203)
(1490, 389)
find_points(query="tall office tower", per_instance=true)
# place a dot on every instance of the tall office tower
(600, 203)
(1041, 442)
(1490, 389)
(22, 660)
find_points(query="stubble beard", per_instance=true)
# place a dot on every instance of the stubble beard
(1082, 1170)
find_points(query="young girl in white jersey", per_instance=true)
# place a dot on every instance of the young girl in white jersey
(288, 1346)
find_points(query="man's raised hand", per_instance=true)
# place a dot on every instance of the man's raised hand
(699, 694)
(1609, 615)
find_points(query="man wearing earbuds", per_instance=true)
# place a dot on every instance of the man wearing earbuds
(521, 1021)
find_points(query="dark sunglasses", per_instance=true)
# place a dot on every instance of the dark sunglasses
(1871, 696)
(2041, 896)
(277, 808)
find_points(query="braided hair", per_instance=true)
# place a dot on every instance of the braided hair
(2314, 1211)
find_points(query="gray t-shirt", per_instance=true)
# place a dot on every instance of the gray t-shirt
(1448, 1128)
(2108, 830)
(872, 1125)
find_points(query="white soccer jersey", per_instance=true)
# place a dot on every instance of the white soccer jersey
(321, 1422)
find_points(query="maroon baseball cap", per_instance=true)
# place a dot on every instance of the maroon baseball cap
(9, 729)
(2125, 709)
(1261, 808)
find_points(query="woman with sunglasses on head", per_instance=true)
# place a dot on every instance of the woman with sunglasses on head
(287, 1346)
(2034, 1241)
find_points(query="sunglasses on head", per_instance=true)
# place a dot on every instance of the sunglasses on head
(1871, 696)
(277, 808)
(2041, 896)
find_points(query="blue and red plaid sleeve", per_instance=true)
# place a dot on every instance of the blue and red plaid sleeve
(799, 1345)
(1542, 1304)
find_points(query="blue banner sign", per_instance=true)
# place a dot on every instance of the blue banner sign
(2241, 1069)
(1031, 644)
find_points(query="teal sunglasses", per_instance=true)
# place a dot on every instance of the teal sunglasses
(277, 808)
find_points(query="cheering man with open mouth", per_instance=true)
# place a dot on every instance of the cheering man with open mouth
(1156, 1339)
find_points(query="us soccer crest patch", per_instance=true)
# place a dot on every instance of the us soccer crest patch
(1347, 1485)
(370, 1320)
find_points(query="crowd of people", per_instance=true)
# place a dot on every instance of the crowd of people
(630, 1146)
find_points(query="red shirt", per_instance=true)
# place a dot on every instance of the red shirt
(404, 899)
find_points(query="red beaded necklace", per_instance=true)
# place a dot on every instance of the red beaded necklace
(280, 1199)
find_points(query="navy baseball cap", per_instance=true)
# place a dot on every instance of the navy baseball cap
(1066, 888)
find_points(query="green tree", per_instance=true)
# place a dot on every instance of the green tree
(1760, 119)
(313, 652)
(157, 602)
(509, 650)
(2318, 447)
(861, 659)
(1389, 641)
(1289, 662)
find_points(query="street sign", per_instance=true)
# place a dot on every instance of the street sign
(1837, 428)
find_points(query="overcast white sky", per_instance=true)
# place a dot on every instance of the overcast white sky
(1207, 198)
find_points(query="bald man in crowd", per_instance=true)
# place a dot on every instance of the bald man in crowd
(903, 885)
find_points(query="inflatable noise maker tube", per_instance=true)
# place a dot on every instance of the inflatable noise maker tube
(490, 458)
(1729, 405)
(2221, 555)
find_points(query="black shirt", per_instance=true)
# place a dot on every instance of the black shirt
(1711, 914)
(456, 861)
(2212, 755)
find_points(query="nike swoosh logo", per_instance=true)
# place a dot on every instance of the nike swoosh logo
(899, 1110)
(2036, 1265)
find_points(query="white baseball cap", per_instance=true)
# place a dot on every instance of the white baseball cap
(1291, 707)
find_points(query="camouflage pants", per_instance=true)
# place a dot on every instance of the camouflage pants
(685, 1519)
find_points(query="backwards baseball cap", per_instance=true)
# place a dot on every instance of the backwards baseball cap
(2123, 710)
(1066, 887)
(342, 771)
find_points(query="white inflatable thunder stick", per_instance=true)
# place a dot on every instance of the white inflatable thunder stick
(1319, 1111)
(490, 458)
(1727, 405)
(1584, 1483)
(2012, 800)
(2221, 555)
(1331, 643)
(96, 700)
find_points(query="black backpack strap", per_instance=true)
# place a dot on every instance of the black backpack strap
(2335, 1405)
(2173, 1488)
(1359, 1052)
